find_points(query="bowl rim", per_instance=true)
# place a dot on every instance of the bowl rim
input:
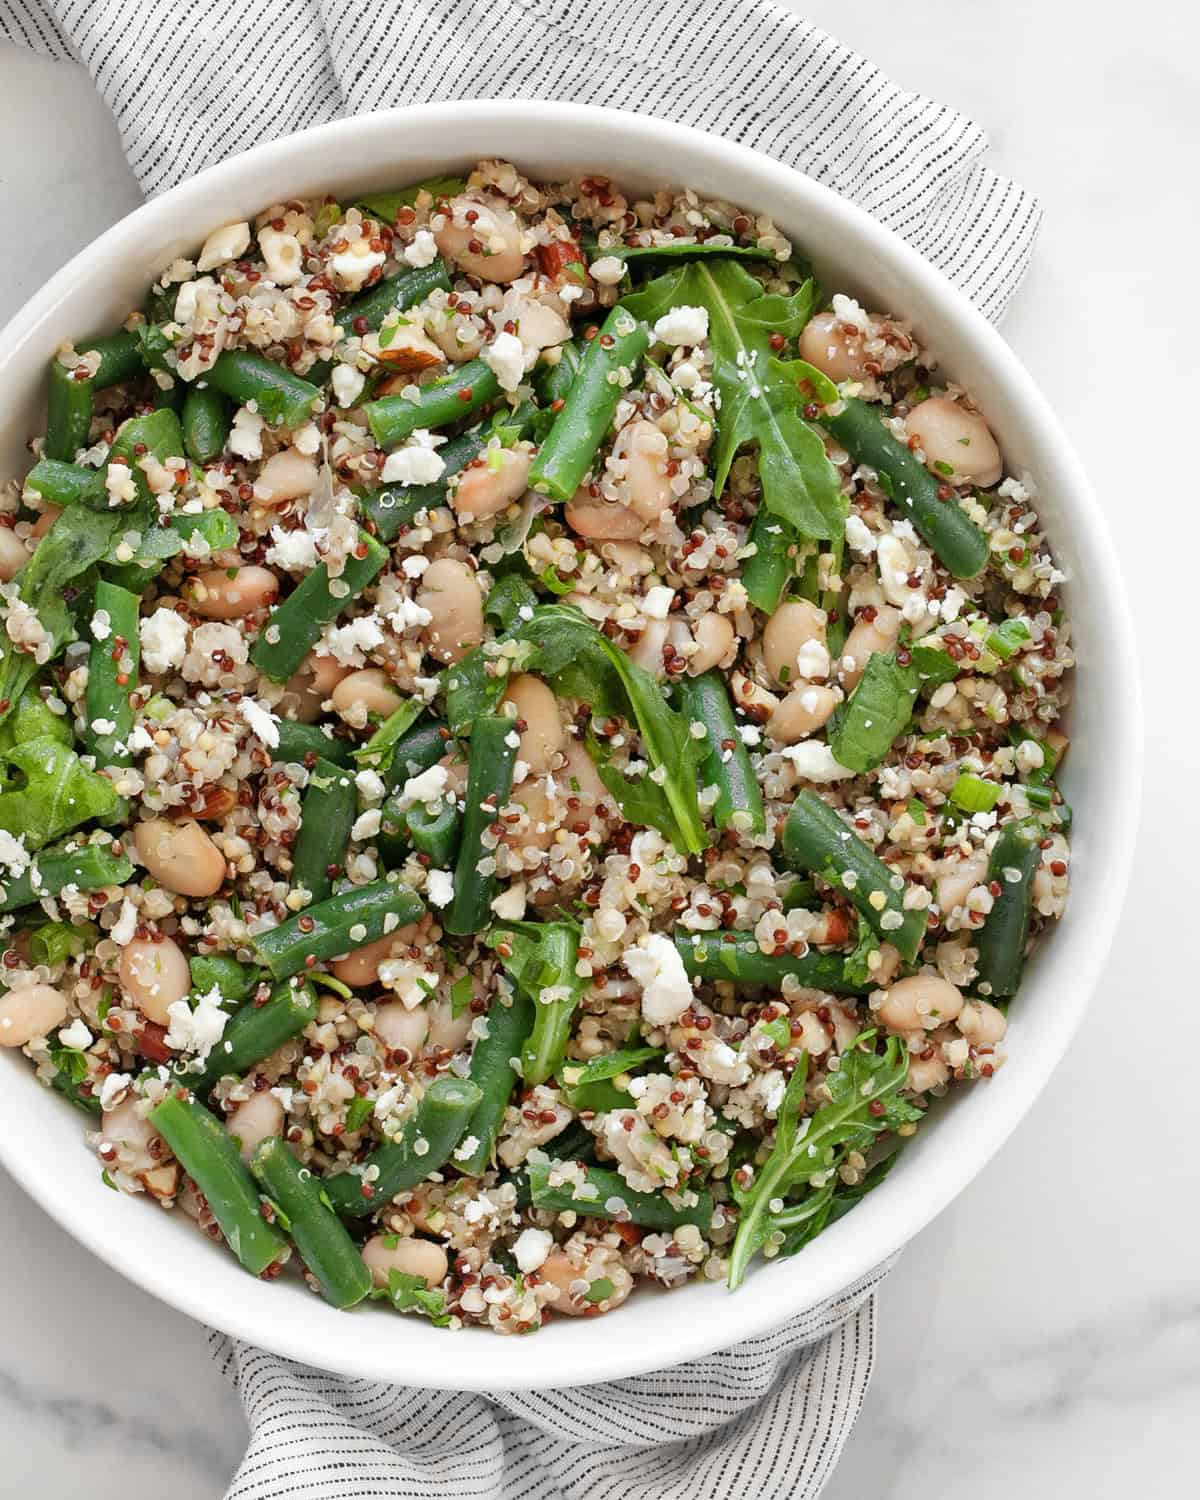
(766, 1301)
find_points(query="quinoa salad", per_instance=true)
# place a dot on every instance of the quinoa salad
(529, 732)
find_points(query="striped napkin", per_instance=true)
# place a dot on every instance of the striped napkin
(768, 1418)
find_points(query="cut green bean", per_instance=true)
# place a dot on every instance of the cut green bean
(317, 1232)
(295, 626)
(604, 1194)
(571, 445)
(326, 817)
(726, 764)
(436, 834)
(91, 868)
(489, 783)
(394, 294)
(120, 358)
(233, 981)
(393, 418)
(773, 563)
(421, 747)
(423, 1146)
(736, 958)
(346, 921)
(395, 506)
(205, 421)
(958, 542)
(65, 484)
(209, 1155)
(1001, 940)
(256, 1031)
(112, 676)
(492, 1072)
(69, 404)
(817, 839)
(283, 398)
(297, 741)
(554, 382)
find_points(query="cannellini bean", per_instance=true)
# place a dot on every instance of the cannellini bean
(13, 553)
(867, 637)
(255, 1120)
(788, 631)
(456, 774)
(713, 634)
(34, 1010)
(224, 594)
(602, 520)
(458, 339)
(411, 1257)
(361, 967)
(540, 326)
(633, 561)
(50, 514)
(180, 856)
(365, 692)
(543, 815)
(446, 1030)
(583, 783)
(647, 650)
(834, 348)
(560, 1271)
(491, 483)
(982, 1023)
(921, 1003)
(224, 244)
(753, 700)
(286, 475)
(312, 684)
(955, 878)
(131, 1133)
(955, 440)
(644, 449)
(537, 709)
(804, 710)
(450, 592)
(895, 564)
(926, 1073)
(398, 1027)
(154, 974)
(487, 245)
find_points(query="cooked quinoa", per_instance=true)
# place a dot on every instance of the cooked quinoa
(529, 734)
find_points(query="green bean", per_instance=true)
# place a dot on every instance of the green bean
(120, 358)
(726, 764)
(283, 398)
(423, 746)
(90, 868)
(297, 741)
(436, 834)
(232, 980)
(396, 505)
(112, 677)
(255, 1031)
(737, 959)
(766, 573)
(557, 957)
(489, 783)
(206, 420)
(171, 397)
(209, 1155)
(958, 542)
(69, 404)
(492, 1072)
(326, 817)
(65, 484)
(1001, 940)
(295, 626)
(394, 294)
(346, 921)
(423, 1146)
(393, 418)
(319, 1235)
(815, 838)
(553, 382)
(571, 445)
(606, 1195)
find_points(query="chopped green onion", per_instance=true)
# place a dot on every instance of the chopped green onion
(973, 794)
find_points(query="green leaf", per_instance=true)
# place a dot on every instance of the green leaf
(934, 666)
(857, 966)
(70, 1062)
(358, 1112)
(410, 1294)
(973, 794)
(55, 941)
(863, 728)
(761, 400)
(542, 956)
(461, 994)
(377, 753)
(384, 206)
(59, 793)
(609, 1065)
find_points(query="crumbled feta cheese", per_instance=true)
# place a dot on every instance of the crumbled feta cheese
(607, 270)
(846, 310)
(859, 535)
(346, 643)
(245, 436)
(352, 266)
(439, 887)
(657, 603)
(13, 854)
(426, 787)
(126, 924)
(413, 464)
(164, 637)
(112, 1088)
(682, 325)
(656, 965)
(230, 242)
(101, 625)
(371, 786)
(76, 1035)
(347, 384)
(282, 255)
(531, 1247)
(509, 905)
(367, 824)
(196, 1031)
(261, 720)
(118, 481)
(505, 357)
(307, 439)
(815, 761)
(423, 250)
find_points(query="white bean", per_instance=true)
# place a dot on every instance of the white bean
(447, 1030)
(644, 449)
(982, 1023)
(154, 974)
(804, 710)
(834, 348)
(958, 443)
(450, 592)
(484, 240)
(180, 856)
(926, 1073)
(132, 1134)
(955, 878)
(255, 1120)
(714, 635)
(13, 554)
(491, 483)
(360, 967)
(365, 692)
(411, 1257)
(220, 594)
(313, 682)
(602, 520)
(34, 1010)
(647, 650)
(788, 631)
(867, 637)
(286, 475)
(398, 1027)
(923, 1002)
(584, 784)
(537, 708)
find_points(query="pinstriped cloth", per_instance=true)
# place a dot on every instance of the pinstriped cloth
(767, 1419)
(175, 72)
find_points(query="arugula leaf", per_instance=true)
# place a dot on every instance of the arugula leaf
(761, 400)
(69, 1061)
(808, 1153)
(540, 958)
(677, 250)
(410, 1294)
(377, 753)
(510, 594)
(358, 1112)
(384, 206)
(640, 799)
(857, 966)
(934, 666)
(863, 728)
(59, 792)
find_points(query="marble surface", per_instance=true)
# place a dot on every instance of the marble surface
(1045, 1332)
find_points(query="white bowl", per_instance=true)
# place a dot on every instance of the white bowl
(41, 1137)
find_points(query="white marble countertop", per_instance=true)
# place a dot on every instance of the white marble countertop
(1045, 1332)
